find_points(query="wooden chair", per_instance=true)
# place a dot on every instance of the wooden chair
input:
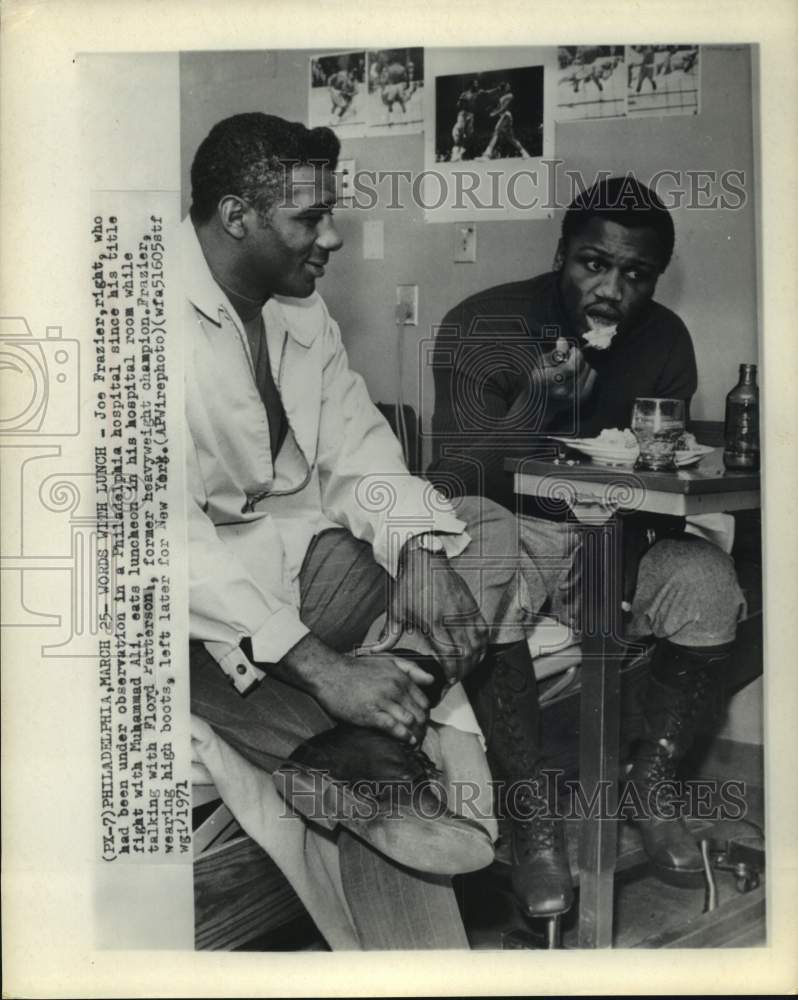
(239, 892)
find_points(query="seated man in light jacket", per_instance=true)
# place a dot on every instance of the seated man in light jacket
(305, 527)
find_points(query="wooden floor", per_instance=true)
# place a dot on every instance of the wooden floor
(648, 913)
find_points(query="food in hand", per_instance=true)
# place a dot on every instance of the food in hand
(600, 335)
(561, 350)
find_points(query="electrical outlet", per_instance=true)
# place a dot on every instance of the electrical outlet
(465, 242)
(407, 298)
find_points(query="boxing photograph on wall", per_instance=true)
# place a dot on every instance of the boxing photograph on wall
(395, 91)
(337, 95)
(591, 82)
(662, 80)
(494, 115)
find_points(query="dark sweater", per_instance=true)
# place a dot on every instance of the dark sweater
(484, 352)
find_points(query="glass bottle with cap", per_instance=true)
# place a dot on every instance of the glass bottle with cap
(741, 450)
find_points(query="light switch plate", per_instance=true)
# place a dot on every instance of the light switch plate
(346, 181)
(465, 242)
(373, 240)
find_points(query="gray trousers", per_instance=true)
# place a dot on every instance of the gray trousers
(687, 590)
(343, 591)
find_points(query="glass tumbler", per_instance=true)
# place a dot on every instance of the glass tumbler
(657, 424)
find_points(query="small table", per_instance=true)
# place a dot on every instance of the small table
(700, 489)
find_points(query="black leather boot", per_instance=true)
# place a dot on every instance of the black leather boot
(684, 682)
(504, 694)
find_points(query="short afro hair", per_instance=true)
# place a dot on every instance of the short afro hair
(627, 202)
(249, 155)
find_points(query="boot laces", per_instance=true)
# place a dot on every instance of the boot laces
(424, 763)
(425, 771)
(535, 828)
(661, 771)
(524, 754)
(524, 759)
(657, 765)
(688, 708)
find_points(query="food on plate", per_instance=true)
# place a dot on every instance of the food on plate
(687, 442)
(611, 447)
(600, 335)
(615, 438)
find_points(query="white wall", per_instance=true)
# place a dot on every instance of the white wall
(710, 283)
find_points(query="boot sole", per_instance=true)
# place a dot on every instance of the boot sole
(444, 844)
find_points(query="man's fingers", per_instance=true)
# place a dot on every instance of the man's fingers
(412, 697)
(463, 643)
(457, 648)
(413, 671)
(400, 701)
(419, 697)
(386, 722)
(471, 641)
(405, 716)
(566, 363)
(480, 633)
(386, 642)
(560, 378)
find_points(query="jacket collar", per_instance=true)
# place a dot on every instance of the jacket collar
(299, 317)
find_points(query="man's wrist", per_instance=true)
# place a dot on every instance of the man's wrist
(427, 542)
(422, 547)
(302, 665)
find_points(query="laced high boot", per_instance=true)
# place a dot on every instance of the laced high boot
(505, 699)
(684, 682)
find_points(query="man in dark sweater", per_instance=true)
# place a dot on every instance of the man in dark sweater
(567, 353)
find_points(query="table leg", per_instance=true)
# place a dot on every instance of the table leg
(599, 729)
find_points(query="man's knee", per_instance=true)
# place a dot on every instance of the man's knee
(501, 572)
(696, 565)
(342, 589)
(493, 529)
(691, 585)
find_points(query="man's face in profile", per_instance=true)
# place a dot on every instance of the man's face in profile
(608, 273)
(290, 248)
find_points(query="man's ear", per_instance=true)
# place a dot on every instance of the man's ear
(232, 214)
(559, 256)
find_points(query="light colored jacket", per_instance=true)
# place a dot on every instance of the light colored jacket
(340, 465)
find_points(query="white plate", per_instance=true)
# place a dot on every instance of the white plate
(683, 458)
(601, 453)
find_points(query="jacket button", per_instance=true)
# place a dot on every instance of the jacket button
(241, 668)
